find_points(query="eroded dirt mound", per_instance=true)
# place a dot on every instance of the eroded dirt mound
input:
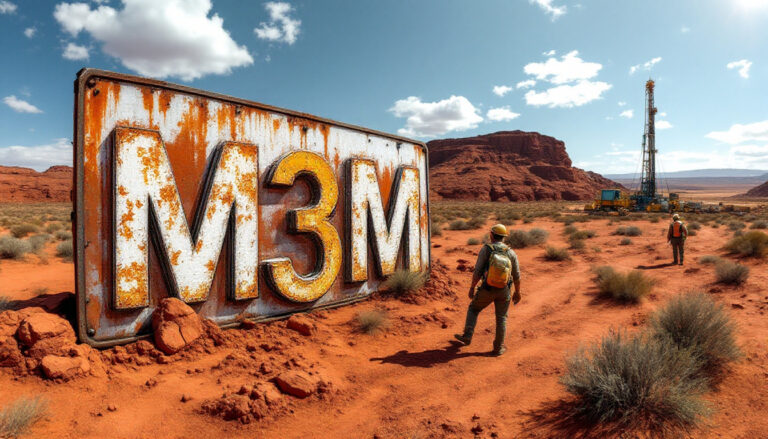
(28, 185)
(508, 166)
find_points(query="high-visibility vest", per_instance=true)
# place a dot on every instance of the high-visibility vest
(677, 229)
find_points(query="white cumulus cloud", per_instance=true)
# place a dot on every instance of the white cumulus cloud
(501, 114)
(7, 7)
(622, 103)
(30, 32)
(549, 8)
(740, 133)
(528, 83)
(159, 39)
(663, 125)
(568, 96)
(38, 157)
(281, 27)
(74, 52)
(501, 90)
(743, 66)
(430, 119)
(568, 69)
(549, 53)
(627, 114)
(648, 65)
(20, 105)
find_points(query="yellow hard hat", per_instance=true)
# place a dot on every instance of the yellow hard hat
(499, 229)
(675, 217)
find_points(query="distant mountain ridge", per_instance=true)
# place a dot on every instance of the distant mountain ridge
(700, 173)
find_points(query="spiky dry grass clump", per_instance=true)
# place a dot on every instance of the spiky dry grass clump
(37, 242)
(636, 382)
(695, 323)
(625, 241)
(557, 254)
(474, 241)
(63, 235)
(522, 239)
(13, 248)
(65, 249)
(693, 226)
(736, 225)
(759, 224)
(628, 287)
(583, 234)
(710, 259)
(19, 416)
(751, 244)
(731, 273)
(435, 229)
(628, 231)
(403, 282)
(22, 230)
(372, 322)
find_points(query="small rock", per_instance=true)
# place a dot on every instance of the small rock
(185, 398)
(40, 326)
(65, 368)
(295, 383)
(301, 324)
(737, 305)
(176, 325)
(112, 408)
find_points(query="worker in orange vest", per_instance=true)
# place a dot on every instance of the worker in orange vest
(676, 236)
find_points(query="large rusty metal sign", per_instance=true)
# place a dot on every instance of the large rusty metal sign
(242, 210)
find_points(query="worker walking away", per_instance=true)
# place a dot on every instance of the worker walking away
(676, 236)
(498, 268)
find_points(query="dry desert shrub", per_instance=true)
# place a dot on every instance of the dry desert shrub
(16, 418)
(63, 235)
(710, 259)
(474, 241)
(435, 229)
(403, 282)
(13, 248)
(695, 323)
(736, 225)
(557, 254)
(522, 238)
(64, 249)
(628, 287)
(693, 226)
(628, 231)
(372, 322)
(4, 303)
(37, 242)
(459, 224)
(760, 224)
(731, 273)
(636, 381)
(751, 244)
(625, 241)
(22, 230)
(569, 230)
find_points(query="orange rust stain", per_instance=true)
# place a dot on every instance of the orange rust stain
(122, 190)
(93, 312)
(164, 101)
(385, 184)
(168, 195)
(275, 125)
(198, 245)
(210, 265)
(134, 273)
(175, 257)
(148, 100)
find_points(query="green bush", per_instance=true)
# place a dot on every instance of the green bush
(13, 248)
(557, 254)
(731, 273)
(17, 417)
(372, 322)
(628, 231)
(64, 249)
(22, 230)
(623, 287)
(403, 282)
(696, 323)
(751, 244)
(710, 259)
(522, 239)
(635, 381)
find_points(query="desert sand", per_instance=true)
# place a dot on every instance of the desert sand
(410, 380)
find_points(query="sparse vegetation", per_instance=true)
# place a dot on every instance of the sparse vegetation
(628, 231)
(635, 381)
(557, 254)
(63, 235)
(22, 230)
(731, 273)
(372, 322)
(37, 242)
(751, 244)
(13, 248)
(522, 239)
(403, 282)
(625, 241)
(459, 224)
(736, 225)
(710, 259)
(474, 241)
(19, 416)
(693, 226)
(624, 287)
(583, 234)
(4, 303)
(435, 229)
(577, 244)
(760, 224)
(697, 324)
(569, 229)
(65, 250)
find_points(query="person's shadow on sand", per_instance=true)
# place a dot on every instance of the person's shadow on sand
(429, 357)
(653, 267)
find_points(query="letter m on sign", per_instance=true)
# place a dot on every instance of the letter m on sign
(147, 205)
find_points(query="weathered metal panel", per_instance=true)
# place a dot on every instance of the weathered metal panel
(242, 210)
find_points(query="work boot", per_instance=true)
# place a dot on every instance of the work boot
(464, 340)
(499, 352)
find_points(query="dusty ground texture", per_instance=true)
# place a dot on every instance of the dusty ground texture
(323, 378)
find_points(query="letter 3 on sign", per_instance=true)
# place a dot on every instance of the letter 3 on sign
(313, 219)
(365, 199)
(145, 190)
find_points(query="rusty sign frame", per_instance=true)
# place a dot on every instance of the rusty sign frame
(87, 80)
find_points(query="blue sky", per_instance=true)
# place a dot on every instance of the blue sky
(425, 69)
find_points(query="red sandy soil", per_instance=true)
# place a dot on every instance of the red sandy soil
(28, 185)
(408, 381)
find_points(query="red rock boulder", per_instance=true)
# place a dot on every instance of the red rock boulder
(176, 325)
(301, 324)
(296, 383)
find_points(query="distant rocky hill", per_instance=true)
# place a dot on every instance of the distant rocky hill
(28, 185)
(508, 166)
(758, 191)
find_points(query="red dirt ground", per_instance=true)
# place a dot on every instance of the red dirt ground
(408, 381)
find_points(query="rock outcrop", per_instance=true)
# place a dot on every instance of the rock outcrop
(508, 166)
(758, 191)
(27, 185)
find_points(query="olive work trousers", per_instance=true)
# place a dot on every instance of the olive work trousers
(484, 296)
(678, 249)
